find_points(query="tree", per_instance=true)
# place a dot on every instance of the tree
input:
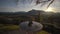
(39, 2)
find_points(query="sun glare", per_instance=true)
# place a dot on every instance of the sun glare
(50, 9)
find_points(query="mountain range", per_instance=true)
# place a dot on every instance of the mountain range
(31, 12)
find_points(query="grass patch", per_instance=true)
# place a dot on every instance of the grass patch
(42, 32)
(16, 27)
(9, 27)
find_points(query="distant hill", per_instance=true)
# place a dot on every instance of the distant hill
(12, 13)
(31, 12)
(35, 12)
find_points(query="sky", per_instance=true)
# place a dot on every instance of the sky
(25, 5)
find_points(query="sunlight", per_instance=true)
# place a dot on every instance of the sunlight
(50, 9)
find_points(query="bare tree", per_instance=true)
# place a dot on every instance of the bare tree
(39, 2)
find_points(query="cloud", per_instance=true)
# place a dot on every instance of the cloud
(23, 5)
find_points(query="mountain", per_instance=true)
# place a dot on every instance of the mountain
(35, 12)
(31, 12)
